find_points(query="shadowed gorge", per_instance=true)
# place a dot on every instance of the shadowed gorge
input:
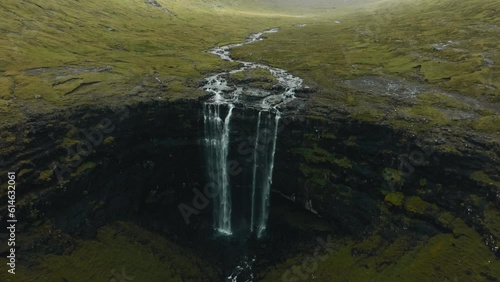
(241, 141)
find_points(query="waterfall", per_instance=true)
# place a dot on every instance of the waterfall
(216, 144)
(263, 164)
(228, 92)
(254, 173)
(216, 150)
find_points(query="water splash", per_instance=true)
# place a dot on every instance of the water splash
(243, 272)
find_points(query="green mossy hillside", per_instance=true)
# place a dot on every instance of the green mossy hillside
(58, 54)
(414, 65)
(119, 249)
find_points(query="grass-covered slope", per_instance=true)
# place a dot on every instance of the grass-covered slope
(120, 252)
(55, 54)
(435, 63)
(403, 62)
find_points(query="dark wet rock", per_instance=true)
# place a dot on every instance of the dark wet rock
(424, 228)
(53, 242)
(68, 70)
(256, 94)
(477, 140)
(153, 3)
(385, 86)
(489, 62)
(442, 46)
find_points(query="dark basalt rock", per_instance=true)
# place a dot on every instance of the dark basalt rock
(152, 161)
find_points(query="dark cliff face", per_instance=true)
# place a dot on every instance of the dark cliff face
(145, 164)
(345, 170)
(108, 164)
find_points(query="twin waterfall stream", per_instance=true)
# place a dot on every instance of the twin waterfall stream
(262, 173)
(217, 149)
(227, 97)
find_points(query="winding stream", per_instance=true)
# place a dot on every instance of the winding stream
(227, 93)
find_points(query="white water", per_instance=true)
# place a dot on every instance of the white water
(254, 172)
(264, 150)
(243, 271)
(224, 92)
(226, 96)
(217, 144)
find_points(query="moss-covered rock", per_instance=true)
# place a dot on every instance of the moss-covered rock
(394, 199)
